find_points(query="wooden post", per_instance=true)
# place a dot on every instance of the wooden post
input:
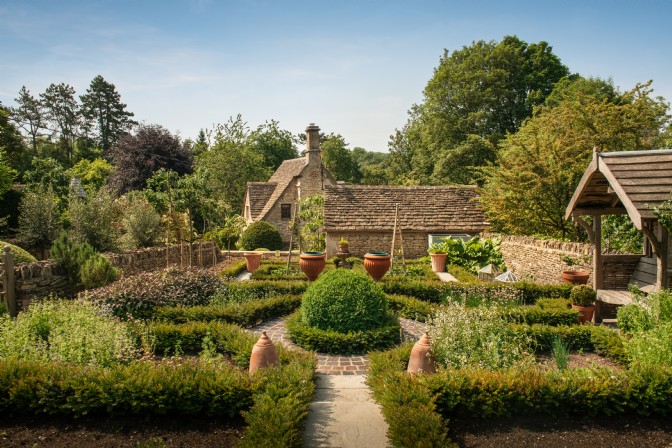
(598, 272)
(8, 281)
(403, 254)
(663, 278)
(291, 239)
(394, 232)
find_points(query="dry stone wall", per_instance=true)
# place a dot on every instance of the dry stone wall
(415, 244)
(539, 260)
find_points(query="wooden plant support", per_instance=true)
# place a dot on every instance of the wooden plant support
(401, 239)
(291, 240)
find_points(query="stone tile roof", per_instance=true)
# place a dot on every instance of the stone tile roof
(282, 177)
(432, 209)
(259, 193)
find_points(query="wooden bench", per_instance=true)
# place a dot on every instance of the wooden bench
(607, 303)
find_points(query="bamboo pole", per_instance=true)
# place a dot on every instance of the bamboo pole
(394, 231)
(291, 239)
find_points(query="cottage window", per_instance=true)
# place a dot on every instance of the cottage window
(285, 211)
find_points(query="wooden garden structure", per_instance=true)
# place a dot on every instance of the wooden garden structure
(629, 182)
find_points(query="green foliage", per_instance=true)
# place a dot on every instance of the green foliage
(311, 218)
(337, 158)
(664, 214)
(245, 314)
(386, 333)
(467, 337)
(39, 220)
(141, 223)
(138, 295)
(537, 315)
(620, 235)
(633, 318)
(540, 165)
(548, 303)
(462, 274)
(93, 220)
(560, 351)
(97, 271)
(92, 174)
(652, 348)
(275, 145)
(20, 255)
(410, 307)
(235, 268)
(344, 300)
(82, 264)
(583, 295)
(66, 331)
(240, 292)
(261, 234)
(407, 404)
(472, 254)
(7, 174)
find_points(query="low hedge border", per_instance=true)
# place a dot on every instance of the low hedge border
(332, 342)
(598, 339)
(234, 269)
(239, 292)
(406, 403)
(582, 392)
(410, 308)
(546, 316)
(245, 314)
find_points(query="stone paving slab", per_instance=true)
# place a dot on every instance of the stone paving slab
(334, 364)
(446, 277)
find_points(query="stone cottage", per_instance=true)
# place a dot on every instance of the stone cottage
(364, 215)
(274, 201)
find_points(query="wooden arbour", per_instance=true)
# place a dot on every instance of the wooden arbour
(627, 182)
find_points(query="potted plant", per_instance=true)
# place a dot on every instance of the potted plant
(573, 276)
(583, 300)
(377, 264)
(439, 253)
(312, 264)
(343, 245)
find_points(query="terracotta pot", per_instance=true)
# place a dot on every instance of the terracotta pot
(377, 264)
(253, 260)
(575, 277)
(312, 264)
(439, 262)
(585, 313)
(422, 358)
(263, 354)
(344, 248)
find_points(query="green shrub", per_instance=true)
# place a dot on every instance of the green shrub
(261, 234)
(548, 303)
(534, 291)
(67, 331)
(83, 266)
(633, 318)
(97, 271)
(94, 219)
(463, 337)
(651, 348)
(583, 295)
(137, 296)
(343, 301)
(407, 404)
(241, 292)
(430, 291)
(244, 314)
(141, 223)
(20, 255)
(463, 275)
(472, 254)
(387, 334)
(410, 307)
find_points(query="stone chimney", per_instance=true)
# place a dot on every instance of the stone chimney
(313, 144)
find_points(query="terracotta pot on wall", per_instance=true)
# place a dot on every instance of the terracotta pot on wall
(439, 262)
(312, 264)
(586, 313)
(377, 264)
(253, 260)
(575, 277)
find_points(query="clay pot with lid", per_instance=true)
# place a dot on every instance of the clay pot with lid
(377, 264)
(263, 354)
(422, 358)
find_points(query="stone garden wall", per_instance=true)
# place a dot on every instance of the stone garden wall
(34, 280)
(539, 260)
(415, 244)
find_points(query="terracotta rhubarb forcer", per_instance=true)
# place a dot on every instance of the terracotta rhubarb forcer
(422, 359)
(312, 264)
(253, 260)
(377, 264)
(264, 354)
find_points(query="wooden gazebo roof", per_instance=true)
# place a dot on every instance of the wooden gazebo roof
(624, 182)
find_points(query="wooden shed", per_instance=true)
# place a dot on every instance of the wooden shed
(629, 182)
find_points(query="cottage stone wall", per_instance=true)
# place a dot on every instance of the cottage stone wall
(274, 215)
(539, 260)
(415, 243)
(37, 280)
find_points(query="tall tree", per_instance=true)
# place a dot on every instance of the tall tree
(102, 105)
(540, 166)
(274, 144)
(63, 114)
(11, 144)
(337, 158)
(137, 156)
(29, 115)
(486, 89)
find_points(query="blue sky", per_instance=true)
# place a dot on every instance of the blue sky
(352, 67)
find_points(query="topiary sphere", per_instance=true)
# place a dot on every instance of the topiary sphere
(344, 300)
(261, 234)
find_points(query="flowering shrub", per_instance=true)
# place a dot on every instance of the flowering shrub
(476, 337)
(72, 332)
